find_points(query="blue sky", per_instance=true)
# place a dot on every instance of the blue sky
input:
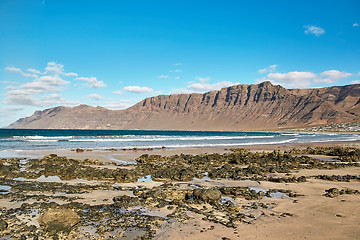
(116, 53)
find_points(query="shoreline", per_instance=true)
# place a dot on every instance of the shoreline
(129, 155)
(282, 130)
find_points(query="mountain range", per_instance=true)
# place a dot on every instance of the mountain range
(257, 107)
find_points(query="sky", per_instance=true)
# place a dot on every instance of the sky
(116, 53)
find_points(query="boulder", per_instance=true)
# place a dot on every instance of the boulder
(207, 195)
(3, 225)
(59, 220)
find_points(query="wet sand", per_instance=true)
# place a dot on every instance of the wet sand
(120, 156)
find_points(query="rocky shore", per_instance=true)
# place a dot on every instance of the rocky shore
(181, 196)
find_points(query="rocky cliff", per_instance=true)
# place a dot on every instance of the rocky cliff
(241, 107)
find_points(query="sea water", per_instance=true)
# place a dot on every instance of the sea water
(44, 139)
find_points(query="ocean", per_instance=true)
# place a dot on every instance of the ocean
(44, 139)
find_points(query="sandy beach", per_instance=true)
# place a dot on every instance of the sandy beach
(293, 210)
(129, 155)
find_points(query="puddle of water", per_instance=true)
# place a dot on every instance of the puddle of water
(5, 189)
(194, 185)
(154, 214)
(113, 158)
(23, 163)
(278, 195)
(228, 199)
(320, 157)
(91, 230)
(60, 193)
(205, 178)
(34, 212)
(19, 179)
(274, 195)
(146, 178)
(49, 178)
(80, 179)
(6, 238)
(257, 190)
(146, 211)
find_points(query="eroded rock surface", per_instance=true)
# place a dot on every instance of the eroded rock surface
(59, 220)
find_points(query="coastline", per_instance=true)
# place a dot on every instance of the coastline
(129, 155)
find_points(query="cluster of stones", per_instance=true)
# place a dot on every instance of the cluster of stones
(338, 178)
(239, 164)
(347, 154)
(127, 212)
(333, 192)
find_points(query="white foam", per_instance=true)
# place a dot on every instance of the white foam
(170, 138)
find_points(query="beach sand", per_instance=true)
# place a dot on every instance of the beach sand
(308, 216)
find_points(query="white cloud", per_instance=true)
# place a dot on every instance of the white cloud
(180, 91)
(311, 29)
(8, 82)
(91, 82)
(18, 70)
(304, 79)
(202, 86)
(38, 87)
(13, 69)
(20, 97)
(45, 84)
(39, 91)
(332, 76)
(355, 82)
(95, 96)
(71, 74)
(24, 98)
(119, 92)
(138, 89)
(203, 80)
(117, 105)
(163, 76)
(54, 68)
(10, 88)
(31, 70)
(264, 70)
(355, 25)
(290, 79)
(269, 69)
(56, 99)
(177, 78)
(7, 110)
(178, 64)
(178, 70)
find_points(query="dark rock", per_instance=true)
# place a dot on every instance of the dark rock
(3, 225)
(126, 201)
(207, 195)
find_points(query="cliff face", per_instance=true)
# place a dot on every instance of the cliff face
(241, 107)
